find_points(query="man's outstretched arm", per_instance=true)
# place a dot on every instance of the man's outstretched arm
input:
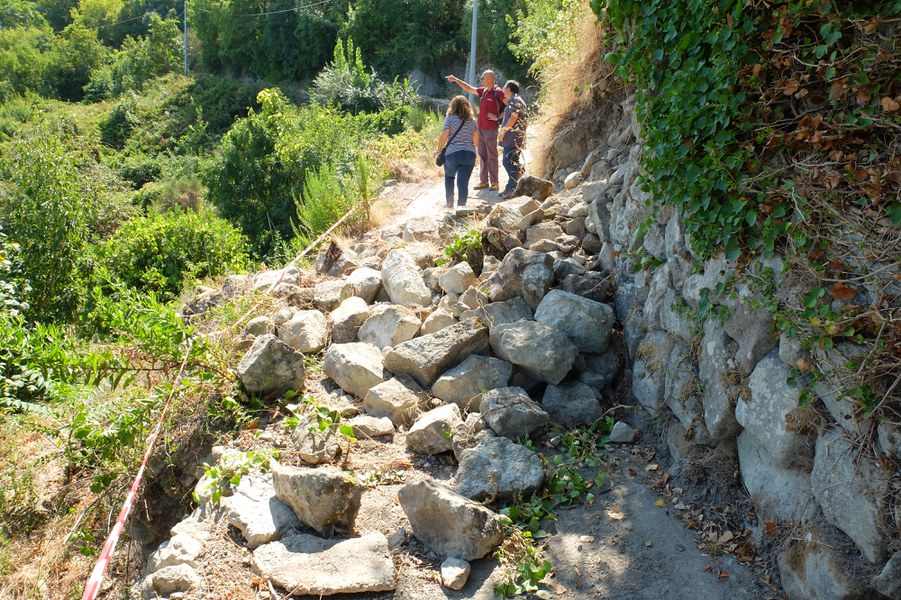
(461, 83)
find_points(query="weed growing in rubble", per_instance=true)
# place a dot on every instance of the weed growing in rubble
(226, 475)
(578, 451)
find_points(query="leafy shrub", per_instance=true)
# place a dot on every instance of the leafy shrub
(293, 44)
(50, 212)
(428, 35)
(160, 251)
(329, 193)
(24, 57)
(139, 60)
(76, 53)
(349, 85)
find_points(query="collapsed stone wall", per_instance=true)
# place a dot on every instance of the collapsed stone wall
(722, 384)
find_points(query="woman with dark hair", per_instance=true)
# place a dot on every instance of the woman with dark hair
(460, 134)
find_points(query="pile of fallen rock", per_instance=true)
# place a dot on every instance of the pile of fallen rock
(468, 361)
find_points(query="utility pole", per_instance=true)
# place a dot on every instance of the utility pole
(186, 37)
(472, 48)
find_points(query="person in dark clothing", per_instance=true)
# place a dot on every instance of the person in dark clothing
(512, 135)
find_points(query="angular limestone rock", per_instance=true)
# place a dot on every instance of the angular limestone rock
(522, 273)
(307, 565)
(257, 512)
(355, 367)
(426, 357)
(399, 399)
(511, 413)
(271, 366)
(325, 498)
(433, 431)
(306, 332)
(464, 384)
(448, 523)
(587, 323)
(389, 325)
(402, 280)
(571, 404)
(542, 351)
(498, 468)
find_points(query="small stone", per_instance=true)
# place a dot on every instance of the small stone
(621, 434)
(454, 573)
(433, 432)
(366, 426)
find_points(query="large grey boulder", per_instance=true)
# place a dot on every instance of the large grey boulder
(389, 325)
(513, 310)
(778, 494)
(457, 279)
(649, 370)
(571, 404)
(271, 366)
(265, 280)
(888, 581)
(355, 367)
(833, 382)
(347, 319)
(307, 565)
(721, 379)
(586, 322)
(752, 328)
(511, 413)
(306, 331)
(812, 565)
(432, 433)
(402, 279)
(542, 231)
(497, 469)
(853, 490)
(328, 294)
(256, 511)
(325, 498)
(367, 426)
(399, 399)
(542, 351)
(522, 273)
(365, 283)
(764, 415)
(451, 525)
(426, 357)
(682, 389)
(464, 384)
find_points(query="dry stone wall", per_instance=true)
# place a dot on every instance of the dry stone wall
(723, 383)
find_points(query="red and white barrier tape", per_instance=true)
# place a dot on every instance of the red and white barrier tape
(93, 586)
(90, 591)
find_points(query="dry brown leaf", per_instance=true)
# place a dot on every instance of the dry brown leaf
(726, 537)
(652, 467)
(660, 502)
(791, 86)
(843, 292)
(890, 104)
(616, 515)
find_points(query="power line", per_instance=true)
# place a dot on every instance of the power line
(274, 12)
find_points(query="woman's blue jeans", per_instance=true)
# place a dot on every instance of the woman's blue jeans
(458, 164)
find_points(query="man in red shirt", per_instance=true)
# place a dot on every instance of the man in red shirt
(491, 103)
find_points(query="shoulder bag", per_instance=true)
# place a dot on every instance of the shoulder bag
(439, 160)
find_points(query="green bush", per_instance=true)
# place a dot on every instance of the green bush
(400, 35)
(349, 85)
(24, 53)
(159, 252)
(76, 53)
(50, 211)
(139, 60)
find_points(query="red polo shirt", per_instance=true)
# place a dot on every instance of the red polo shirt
(490, 101)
